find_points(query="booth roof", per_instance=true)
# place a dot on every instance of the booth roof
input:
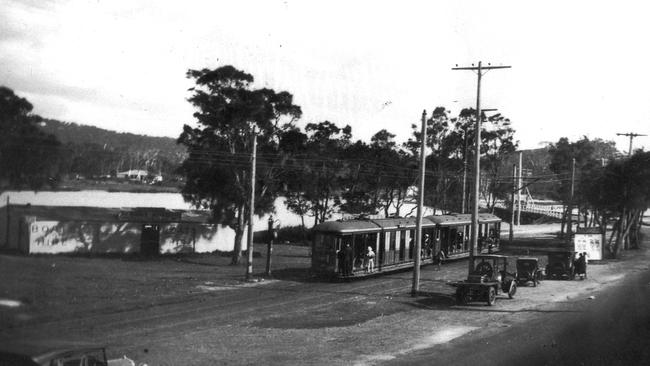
(80, 213)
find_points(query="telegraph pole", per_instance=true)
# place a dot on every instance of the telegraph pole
(477, 152)
(251, 210)
(570, 219)
(463, 204)
(631, 135)
(418, 227)
(519, 186)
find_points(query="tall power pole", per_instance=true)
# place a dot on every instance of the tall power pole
(418, 227)
(477, 152)
(519, 186)
(251, 210)
(631, 135)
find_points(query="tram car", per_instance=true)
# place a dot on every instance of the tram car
(340, 248)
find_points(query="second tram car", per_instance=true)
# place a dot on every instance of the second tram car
(339, 247)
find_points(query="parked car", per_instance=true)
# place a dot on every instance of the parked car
(528, 271)
(39, 354)
(488, 277)
(560, 265)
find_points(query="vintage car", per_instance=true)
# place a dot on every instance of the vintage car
(54, 354)
(528, 271)
(487, 277)
(560, 265)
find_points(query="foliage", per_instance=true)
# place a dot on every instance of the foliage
(379, 176)
(29, 158)
(228, 112)
(315, 187)
(588, 155)
(620, 191)
(452, 141)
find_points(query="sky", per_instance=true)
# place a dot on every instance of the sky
(579, 68)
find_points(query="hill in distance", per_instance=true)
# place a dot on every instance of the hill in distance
(68, 132)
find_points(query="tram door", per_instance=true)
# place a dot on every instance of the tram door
(444, 240)
(150, 239)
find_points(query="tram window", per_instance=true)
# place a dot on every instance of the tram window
(411, 243)
(372, 241)
(392, 241)
(402, 245)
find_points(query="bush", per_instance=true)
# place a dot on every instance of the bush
(287, 234)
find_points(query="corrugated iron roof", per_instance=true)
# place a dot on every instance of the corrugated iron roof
(82, 213)
(368, 225)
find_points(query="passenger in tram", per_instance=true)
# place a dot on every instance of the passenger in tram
(348, 260)
(370, 260)
(428, 247)
(340, 256)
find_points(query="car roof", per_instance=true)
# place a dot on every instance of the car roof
(42, 351)
(491, 256)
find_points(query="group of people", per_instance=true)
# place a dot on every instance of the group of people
(346, 260)
(580, 265)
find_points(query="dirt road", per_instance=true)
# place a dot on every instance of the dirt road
(196, 311)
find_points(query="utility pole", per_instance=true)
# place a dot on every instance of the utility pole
(511, 232)
(519, 184)
(477, 153)
(269, 248)
(418, 225)
(570, 214)
(251, 210)
(631, 135)
(464, 198)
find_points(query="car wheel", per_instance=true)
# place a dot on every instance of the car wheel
(513, 289)
(491, 296)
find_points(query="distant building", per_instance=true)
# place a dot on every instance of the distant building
(148, 230)
(135, 174)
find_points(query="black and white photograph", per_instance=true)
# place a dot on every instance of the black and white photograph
(310, 182)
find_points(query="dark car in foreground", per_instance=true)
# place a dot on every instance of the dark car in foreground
(38, 354)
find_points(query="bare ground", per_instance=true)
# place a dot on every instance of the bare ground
(197, 310)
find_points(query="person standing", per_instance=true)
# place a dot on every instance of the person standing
(348, 260)
(580, 266)
(370, 260)
(439, 258)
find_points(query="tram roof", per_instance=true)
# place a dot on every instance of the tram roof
(462, 219)
(356, 226)
(369, 225)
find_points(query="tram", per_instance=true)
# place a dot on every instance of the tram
(339, 247)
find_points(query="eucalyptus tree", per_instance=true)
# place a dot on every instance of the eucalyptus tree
(378, 177)
(498, 142)
(29, 158)
(586, 154)
(619, 191)
(228, 112)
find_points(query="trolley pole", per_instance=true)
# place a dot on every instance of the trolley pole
(251, 210)
(477, 154)
(418, 227)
